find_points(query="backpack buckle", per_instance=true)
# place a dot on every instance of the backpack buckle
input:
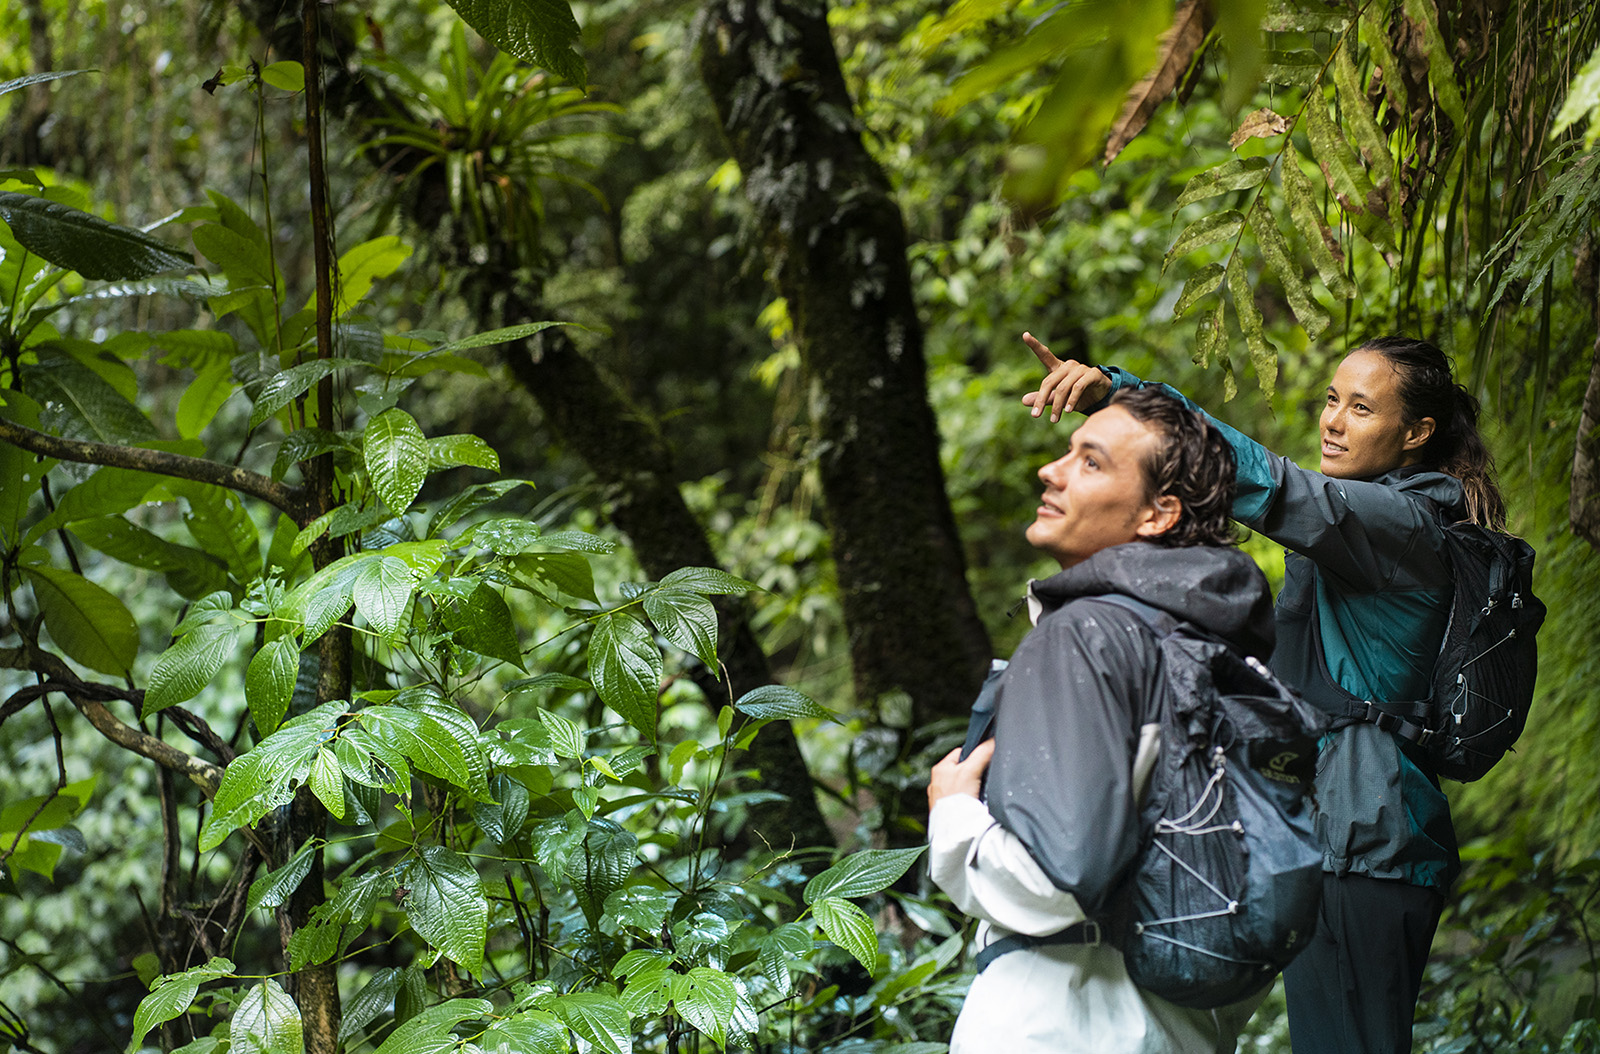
(1385, 721)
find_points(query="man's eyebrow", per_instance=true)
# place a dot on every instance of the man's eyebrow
(1096, 446)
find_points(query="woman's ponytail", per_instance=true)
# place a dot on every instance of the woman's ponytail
(1456, 448)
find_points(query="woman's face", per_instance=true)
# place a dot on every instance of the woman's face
(1363, 427)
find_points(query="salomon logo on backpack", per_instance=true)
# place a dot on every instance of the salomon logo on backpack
(1483, 678)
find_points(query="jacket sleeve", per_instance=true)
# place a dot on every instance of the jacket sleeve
(1360, 534)
(988, 873)
(1069, 712)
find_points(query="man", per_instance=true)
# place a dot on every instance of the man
(1138, 506)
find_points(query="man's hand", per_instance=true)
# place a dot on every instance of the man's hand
(1067, 384)
(954, 776)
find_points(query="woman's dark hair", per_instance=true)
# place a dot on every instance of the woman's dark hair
(1194, 464)
(1427, 389)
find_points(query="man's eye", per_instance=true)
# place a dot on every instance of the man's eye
(1090, 462)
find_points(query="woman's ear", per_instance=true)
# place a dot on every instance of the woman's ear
(1418, 433)
(1161, 515)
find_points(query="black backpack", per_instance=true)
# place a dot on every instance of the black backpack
(1224, 889)
(1483, 678)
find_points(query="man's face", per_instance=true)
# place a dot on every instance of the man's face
(1094, 496)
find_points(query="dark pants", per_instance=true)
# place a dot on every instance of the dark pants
(1354, 989)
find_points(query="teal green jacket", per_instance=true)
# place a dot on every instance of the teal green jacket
(1367, 578)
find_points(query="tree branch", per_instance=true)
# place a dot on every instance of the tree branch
(291, 500)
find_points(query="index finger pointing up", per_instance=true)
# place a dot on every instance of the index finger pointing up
(1040, 352)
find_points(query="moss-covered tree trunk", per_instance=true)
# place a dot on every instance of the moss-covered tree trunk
(837, 246)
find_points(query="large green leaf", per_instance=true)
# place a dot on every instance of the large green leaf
(184, 669)
(327, 782)
(396, 455)
(489, 338)
(172, 995)
(450, 451)
(284, 388)
(423, 739)
(529, 1032)
(382, 593)
(790, 942)
(503, 817)
(89, 624)
(569, 573)
(481, 622)
(269, 683)
(850, 928)
(430, 1031)
(601, 865)
(266, 1022)
(506, 535)
(597, 1018)
(625, 666)
(779, 702)
(81, 404)
(447, 906)
(108, 491)
(363, 1008)
(274, 888)
(707, 580)
(358, 267)
(219, 521)
(862, 873)
(469, 500)
(706, 998)
(262, 779)
(191, 572)
(685, 618)
(84, 243)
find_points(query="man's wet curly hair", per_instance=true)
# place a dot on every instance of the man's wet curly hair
(1194, 464)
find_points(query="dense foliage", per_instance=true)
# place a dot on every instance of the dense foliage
(377, 735)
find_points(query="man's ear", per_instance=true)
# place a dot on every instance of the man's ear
(1419, 433)
(1160, 516)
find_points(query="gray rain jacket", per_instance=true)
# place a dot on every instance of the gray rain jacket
(1084, 683)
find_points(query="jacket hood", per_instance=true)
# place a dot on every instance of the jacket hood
(1222, 591)
(1442, 489)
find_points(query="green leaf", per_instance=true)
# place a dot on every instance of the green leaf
(381, 590)
(327, 782)
(1262, 353)
(489, 338)
(1367, 209)
(1313, 227)
(303, 444)
(188, 666)
(269, 683)
(260, 780)
(1441, 67)
(218, 520)
(1583, 98)
(396, 454)
(685, 618)
(470, 500)
(862, 873)
(1201, 283)
(89, 624)
(172, 995)
(1238, 174)
(1356, 112)
(788, 943)
(1275, 251)
(284, 388)
(502, 818)
(447, 906)
(778, 702)
(530, 1032)
(424, 558)
(1208, 230)
(554, 841)
(429, 744)
(363, 1008)
(360, 266)
(706, 998)
(285, 76)
(205, 395)
(566, 738)
(108, 491)
(626, 668)
(81, 404)
(430, 1031)
(850, 928)
(84, 243)
(601, 865)
(274, 888)
(569, 573)
(708, 580)
(641, 906)
(267, 1021)
(450, 451)
(482, 623)
(597, 1018)
(582, 542)
(506, 536)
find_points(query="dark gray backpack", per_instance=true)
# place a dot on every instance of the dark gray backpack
(1224, 889)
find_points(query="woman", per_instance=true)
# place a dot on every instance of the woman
(1364, 603)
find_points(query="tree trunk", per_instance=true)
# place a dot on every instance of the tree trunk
(1584, 510)
(836, 243)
